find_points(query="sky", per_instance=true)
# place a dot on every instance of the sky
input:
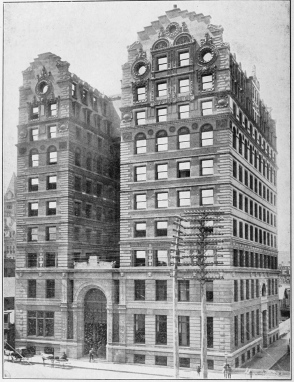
(93, 37)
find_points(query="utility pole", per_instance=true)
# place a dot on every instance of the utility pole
(200, 238)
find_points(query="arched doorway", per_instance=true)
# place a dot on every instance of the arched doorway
(95, 322)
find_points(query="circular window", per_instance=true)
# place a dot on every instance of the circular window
(43, 87)
(141, 69)
(207, 57)
(172, 29)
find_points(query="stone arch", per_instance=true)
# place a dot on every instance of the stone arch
(79, 295)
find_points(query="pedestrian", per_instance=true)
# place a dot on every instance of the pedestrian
(91, 355)
(225, 370)
(250, 373)
(229, 371)
(198, 370)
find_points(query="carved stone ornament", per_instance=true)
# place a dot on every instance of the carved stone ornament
(194, 126)
(22, 150)
(42, 147)
(127, 117)
(161, 44)
(207, 53)
(122, 274)
(221, 123)
(221, 101)
(140, 68)
(183, 39)
(44, 85)
(172, 30)
(172, 129)
(62, 145)
(215, 28)
(127, 136)
(22, 133)
(63, 128)
(150, 132)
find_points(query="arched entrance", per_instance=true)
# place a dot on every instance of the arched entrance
(95, 322)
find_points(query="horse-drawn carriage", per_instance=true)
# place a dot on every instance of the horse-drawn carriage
(20, 354)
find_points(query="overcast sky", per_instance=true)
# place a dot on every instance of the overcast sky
(93, 37)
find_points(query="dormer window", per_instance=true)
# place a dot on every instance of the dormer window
(162, 63)
(184, 58)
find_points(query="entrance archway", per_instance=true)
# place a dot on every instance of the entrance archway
(95, 322)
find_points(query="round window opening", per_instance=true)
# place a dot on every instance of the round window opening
(141, 69)
(172, 29)
(43, 87)
(207, 57)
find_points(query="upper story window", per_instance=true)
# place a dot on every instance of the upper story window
(34, 134)
(140, 118)
(184, 111)
(51, 208)
(89, 162)
(140, 202)
(207, 167)
(206, 108)
(184, 58)
(139, 258)
(140, 229)
(33, 209)
(33, 234)
(33, 184)
(183, 138)
(140, 142)
(95, 103)
(161, 228)
(51, 182)
(184, 85)
(34, 158)
(161, 171)
(161, 141)
(206, 81)
(140, 173)
(84, 95)
(162, 63)
(141, 93)
(161, 260)
(161, 89)
(161, 114)
(51, 233)
(74, 90)
(184, 198)
(52, 155)
(78, 157)
(206, 197)
(162, 200)
(184, 169)
(52, 131)
(35, 112)
(206, 135)
(53, 110)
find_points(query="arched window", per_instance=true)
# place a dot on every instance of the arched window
(206, 135)
(184, 39)
(246, 149)
(89, 162)
(183, 138)
(161, 141)
(240, 144)
(51, 155)
(78, 157)
(34, 158)
(140, 143)
(234, 138)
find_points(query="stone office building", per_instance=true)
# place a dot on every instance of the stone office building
(67, 209)
(195, 135)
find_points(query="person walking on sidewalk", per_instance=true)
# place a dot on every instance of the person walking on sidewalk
(198, 370)
(91, 355)
(229, 371)
(225, 370)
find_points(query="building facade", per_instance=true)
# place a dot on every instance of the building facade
(195, 135)
(67, 208)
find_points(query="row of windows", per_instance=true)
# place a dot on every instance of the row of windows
(100, 189)
(253, 233)
(251, 155)
(51, 157)
(250, 352)
(161, 330)
(99, 165)
(253, 183)
(184, 139)
(253, 132)
(254, 260)
(40, 110)
(100, 213)
(49, 288)
(161, 290)
(183, 199)
(50, 233)
(34, 133)
(250, 331)
(254, 209)
(51, 183)
(33, 208)
(102, 125)
(248, 289)
(86, 97)
(162, 361)
(183, 170)
(162, 113)
(49, 260)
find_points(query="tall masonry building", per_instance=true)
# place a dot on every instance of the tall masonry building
(195, 135)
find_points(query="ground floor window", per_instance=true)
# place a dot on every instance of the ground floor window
(184, 362)
(40, 323)
(210, 364)
(139, 358)
(160, 360)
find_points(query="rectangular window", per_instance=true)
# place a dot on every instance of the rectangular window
(183, 198)
(184, 330)
(247, 290)
(210, 364)
(140, 173)
(140, 118)
(34, 134)
(140, 258)
(162, 63)
(161, 114)
(140, 229)
(161, 330)
(88, 211)
(184, 111)
(52, 157)
(236, 331)
(33, 234)
(236, 292)
(206, 138)
(253, 324)
(140, 201)
(210, 332)
(234, 227)
(139, 286)
(184, 169)
(77, 208)
(33, 209)
(33, 184)
(161, 228)
(207, 167)
(247, 326)
(242, 328)
(184, 362)
(184, 58)
(52, 131)
(206, 197)
(161, 141)
(139, 328)
(257, 322)
(161, 290)
(161, 360)
(115, 290)
(50, 233)
(78, 183)
(234, 198)
(161, 89)
(246, 204)
(206, 81)
(240, 173)
(32, 260)
(51, 208)
(32, 288)
(50, 260)
(209, 291)
(206, 108)
(184, 85)
(162, 200)
(161, 258)
(53, 110)
(242, 289)
(240, 202)
(183, 290)
(139, 358)
(241, 229)
(51, 182)
(141, 93)
(50, 288)
(235, 169)
(161, 171)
